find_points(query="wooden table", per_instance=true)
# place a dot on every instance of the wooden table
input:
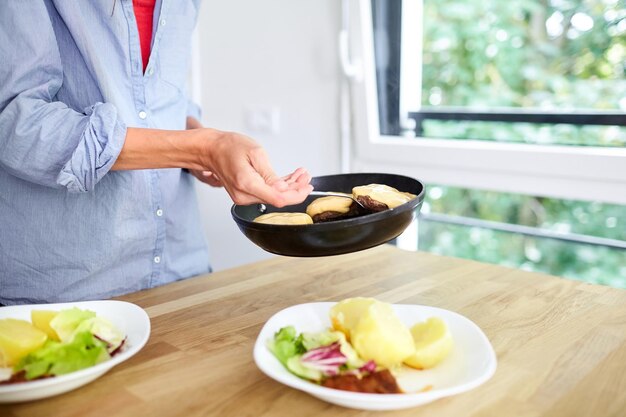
(561, 344)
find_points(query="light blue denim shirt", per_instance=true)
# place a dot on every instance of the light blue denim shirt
(71, 82)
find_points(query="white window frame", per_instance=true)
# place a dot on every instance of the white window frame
(567, 172)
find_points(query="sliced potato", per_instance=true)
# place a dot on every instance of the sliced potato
(381, 336)
(345, 315)
(41, 319)
(433, 343)
(18, 338)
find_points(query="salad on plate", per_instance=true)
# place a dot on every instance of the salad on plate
(365, 346)
(55, 343)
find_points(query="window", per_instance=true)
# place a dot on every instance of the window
(520, 103)
(516, 55)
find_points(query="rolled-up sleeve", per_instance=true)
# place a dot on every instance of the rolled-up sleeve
(42, 140)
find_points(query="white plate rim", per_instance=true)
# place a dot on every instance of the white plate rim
(386, 400)
(102, 367)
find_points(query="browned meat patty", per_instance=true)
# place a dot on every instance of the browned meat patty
(381, 382)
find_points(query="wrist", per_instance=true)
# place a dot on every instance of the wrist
(185, 147)
(203, 143)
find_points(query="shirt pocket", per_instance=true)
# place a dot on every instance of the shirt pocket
(174, 54)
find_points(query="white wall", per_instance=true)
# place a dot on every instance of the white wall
(258, 55)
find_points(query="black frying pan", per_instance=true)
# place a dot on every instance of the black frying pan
(333, 237)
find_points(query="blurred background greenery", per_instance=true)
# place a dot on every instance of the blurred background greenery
(540, 54)
(591, 263)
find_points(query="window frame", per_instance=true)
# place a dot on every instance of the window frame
(554, 171)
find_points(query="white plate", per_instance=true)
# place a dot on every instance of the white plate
(131, 319)
(471, 363)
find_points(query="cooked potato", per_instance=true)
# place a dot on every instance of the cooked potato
(381, 336)
(17, 339)
(41, 319)
(433, 343)
(345, 315)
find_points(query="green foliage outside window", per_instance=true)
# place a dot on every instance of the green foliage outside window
(589, 263)
(540, 54)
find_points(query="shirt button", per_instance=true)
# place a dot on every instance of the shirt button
(159, 212)
(150, 71)
(143, 115)
(162, 22)
(157, 259)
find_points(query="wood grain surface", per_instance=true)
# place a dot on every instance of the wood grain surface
(561, 344)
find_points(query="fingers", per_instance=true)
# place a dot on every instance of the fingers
(275, 194)
(257, 190)
(291, 178)
(193, 123)
(304, 179)
(296, 194)
(279, 192)
(214, 180)
(297, 179)
(273, 197)
(207, 177)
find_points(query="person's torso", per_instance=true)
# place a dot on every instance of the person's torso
(136, 229)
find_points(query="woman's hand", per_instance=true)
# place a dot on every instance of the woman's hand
(251, 179)
(242, 167)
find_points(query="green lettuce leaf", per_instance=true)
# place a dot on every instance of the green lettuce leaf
(56, 358)
(103, 330)
(315, 340)
(286, 344)
(67, 321)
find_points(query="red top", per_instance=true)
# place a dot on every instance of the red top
(144, 12)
